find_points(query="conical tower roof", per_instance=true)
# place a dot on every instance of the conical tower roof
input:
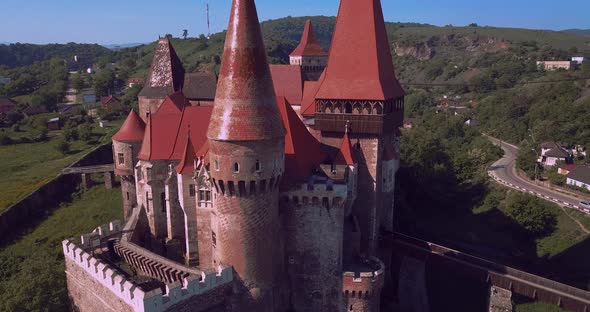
(187, 163)
(245, 105)
(360, 66)
(309, 45)
(132, 129)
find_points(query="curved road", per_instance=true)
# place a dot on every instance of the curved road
(504, 172)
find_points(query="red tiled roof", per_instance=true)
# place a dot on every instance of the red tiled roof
(187, 164)
(133, 129)
(6, 105)
(109, 100)
(345, 155)
(245, 106)
(309, 45)
(568, 167)
(360, 65)
(303, 151)
(310, 90)
(288, 82)
(168, 128)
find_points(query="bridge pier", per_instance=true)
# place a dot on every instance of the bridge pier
(500, 300)
(86, 181)
(109, 180)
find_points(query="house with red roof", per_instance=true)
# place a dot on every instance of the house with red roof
(6, 106)
(110, 102)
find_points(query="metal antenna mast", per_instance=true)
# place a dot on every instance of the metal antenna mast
(208, 22)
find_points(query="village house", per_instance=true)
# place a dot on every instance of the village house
(54, 124)
(553, 153)
(578, 59)
(565, 169)
(132, 82)
(110, 102)
(34, 110)
(580, 177)
(555, 65)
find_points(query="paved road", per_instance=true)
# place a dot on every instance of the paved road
(504, 172)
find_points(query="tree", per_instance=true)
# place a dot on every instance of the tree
(537, 217)
(527, 161)
(473, 25)
(104, 83)
(85, 132)
(70, 133)
(77, 82)
(63, 146)
(184, 33)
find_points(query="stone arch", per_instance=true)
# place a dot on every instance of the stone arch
(328, 108)
(358, 109)
(367, 110)
(338, 108)
(348, 108)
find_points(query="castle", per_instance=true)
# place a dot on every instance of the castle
(268, 195)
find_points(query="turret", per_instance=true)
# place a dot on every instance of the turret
(246, 152)
(309, 54)
(126, 146)
(362, 285)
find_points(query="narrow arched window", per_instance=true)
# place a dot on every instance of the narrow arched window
(236, 168)
(216, 165)
(258, 168)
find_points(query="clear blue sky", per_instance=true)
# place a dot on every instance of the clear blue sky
(126, 21)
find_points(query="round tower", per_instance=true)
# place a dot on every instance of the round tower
(126, 146)
(362, 284)
(246, 151)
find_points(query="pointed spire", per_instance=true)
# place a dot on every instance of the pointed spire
(187, 164)
(132, 129)
(166, 72)
(309, 45)
(145, 153)
(360, 65)
(345, 155)
(245, 106)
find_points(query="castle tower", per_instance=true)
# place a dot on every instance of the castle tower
(362, 285)
(246, 152)
(359, 86)
(126, 146)
(166, 77)
(309, 54)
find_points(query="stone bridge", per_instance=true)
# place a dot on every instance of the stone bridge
(493, 274)
(107, 170)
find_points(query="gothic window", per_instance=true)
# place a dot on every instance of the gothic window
(348, 108)
(338, 108)
(358, 109)
(367, 109)
(378, 109)
(120, 158)
(163, 201)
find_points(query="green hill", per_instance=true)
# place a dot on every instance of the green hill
(579, 32)
(17, 55)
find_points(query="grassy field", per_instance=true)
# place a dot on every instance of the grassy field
(32, 269)
(25, 167)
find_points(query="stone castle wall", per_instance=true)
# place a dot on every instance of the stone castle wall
(96, 286)
(148, 105)
(314, 226)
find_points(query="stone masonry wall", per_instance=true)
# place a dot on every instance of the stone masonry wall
(147, 105)
(313, 247)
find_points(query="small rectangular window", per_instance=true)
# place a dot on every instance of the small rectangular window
(191, 190)
(208, 196)
(201, 195)
(121, 158)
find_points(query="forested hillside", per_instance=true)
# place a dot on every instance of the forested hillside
(15, 55)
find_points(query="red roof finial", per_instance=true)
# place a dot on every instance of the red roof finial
(346, 154)
(187, 164)
(245, 105)
(360, 65)
(309, 45)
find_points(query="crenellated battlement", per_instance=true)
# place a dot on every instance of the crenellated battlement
(318, 194)
(129, 291)
(246, 188)
(364, 280)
